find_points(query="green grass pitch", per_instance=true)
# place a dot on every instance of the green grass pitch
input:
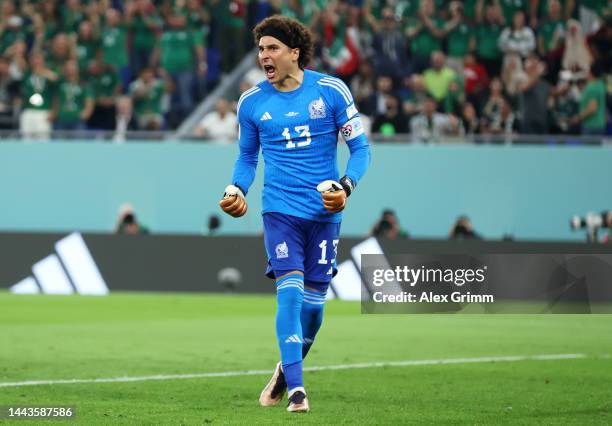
(127, 334)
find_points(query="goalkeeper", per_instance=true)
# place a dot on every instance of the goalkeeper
(295, 116)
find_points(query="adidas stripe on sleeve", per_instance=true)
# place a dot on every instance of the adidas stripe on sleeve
(348, 121)
(248, 139)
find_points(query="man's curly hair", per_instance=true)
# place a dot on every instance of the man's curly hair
(298, 35)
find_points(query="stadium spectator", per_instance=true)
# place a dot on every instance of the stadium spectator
(592, 115)
(513, 75)
(492, 106)
(541, 8)
(463, 229)
(16, 54)
(9, 92)
(460, 37)
(73, 104)
(72, 15)
(37, 91)
(392, 121)
(384, 88)
(469, 123)
(533, 99)
(455, 97)
(47, 23)
(425, 33)
(517, 39)
(502, 123)
(576, 55)
(144, 25)
(87, 43)
(11, 27)
(114, 46)
(105, 89)
(124, 120)
(430, 125)
(439, 77)
(509, 9)
(412, 103)
(551, 32)
(147, 94)
(487, 35)
(229, 17)
(62, 50)
(363, 88)
(475, 78)
(179, 54)
(197, 23)
(220, 125)
(563, 105)
(390, 47)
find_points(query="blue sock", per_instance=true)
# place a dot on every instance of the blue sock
(312, 313)
(289, 297)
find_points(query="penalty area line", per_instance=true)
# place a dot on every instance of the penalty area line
(379, 364)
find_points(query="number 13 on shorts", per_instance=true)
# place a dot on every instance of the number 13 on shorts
(323, 246)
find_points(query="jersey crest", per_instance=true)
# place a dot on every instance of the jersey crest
(282, 251)
(316, 109)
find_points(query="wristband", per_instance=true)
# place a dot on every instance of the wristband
(347, 184)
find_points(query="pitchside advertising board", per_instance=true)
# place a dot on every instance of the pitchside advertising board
(386, 276)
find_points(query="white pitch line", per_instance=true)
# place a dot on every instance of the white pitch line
(406, 363)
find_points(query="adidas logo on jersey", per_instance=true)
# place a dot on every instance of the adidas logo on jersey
(293, 339)
(266, 116)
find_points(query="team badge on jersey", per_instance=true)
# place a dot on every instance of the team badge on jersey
(317, 109)
(282, 251)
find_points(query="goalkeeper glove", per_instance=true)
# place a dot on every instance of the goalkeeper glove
(334, 194)
(233, 202)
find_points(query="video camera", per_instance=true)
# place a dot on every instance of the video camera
(592, 222)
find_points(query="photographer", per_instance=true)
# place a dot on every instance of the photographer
(388, 227)
(607, 239)
(463, 230)
(127, 224)
(594, 222)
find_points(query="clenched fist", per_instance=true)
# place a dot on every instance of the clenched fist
(333, 194)
(233, 202)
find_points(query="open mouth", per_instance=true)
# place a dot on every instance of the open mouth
(270, 71)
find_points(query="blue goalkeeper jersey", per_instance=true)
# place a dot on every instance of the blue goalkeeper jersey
(297, 132)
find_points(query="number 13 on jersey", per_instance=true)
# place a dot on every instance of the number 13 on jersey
(302, 132)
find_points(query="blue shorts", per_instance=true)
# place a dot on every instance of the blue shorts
(296, 244)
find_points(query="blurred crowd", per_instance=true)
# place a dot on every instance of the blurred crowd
(428, 67)
(436, 68)
(486, 68)
(112, 65)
